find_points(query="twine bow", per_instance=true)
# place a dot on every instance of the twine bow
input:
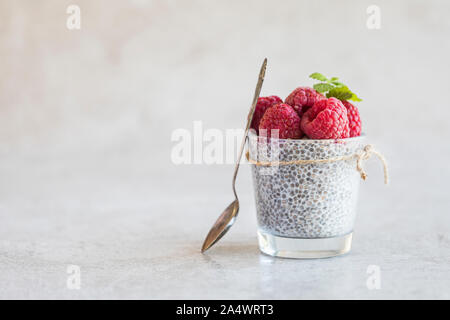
(363, 155)
(367, 152)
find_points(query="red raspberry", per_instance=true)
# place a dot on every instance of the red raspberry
(327, 119)
(303, 98)
(284, 118)
(354, 120)
(262, 105)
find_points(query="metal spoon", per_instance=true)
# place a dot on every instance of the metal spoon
(228, 217)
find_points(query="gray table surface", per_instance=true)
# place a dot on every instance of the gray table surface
(86, 118)
(135, 231)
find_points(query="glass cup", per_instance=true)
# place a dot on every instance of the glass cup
(305, 210)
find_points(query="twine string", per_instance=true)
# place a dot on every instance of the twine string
(361, 156)
(367, 152)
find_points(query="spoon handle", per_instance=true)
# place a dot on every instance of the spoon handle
(262, 73)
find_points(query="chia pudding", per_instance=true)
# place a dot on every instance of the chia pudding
(316, 200)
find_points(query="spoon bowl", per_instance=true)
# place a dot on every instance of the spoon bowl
(222, 225)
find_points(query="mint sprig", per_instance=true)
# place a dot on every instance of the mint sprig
(333, 88)
(318, 76)
(323, 87)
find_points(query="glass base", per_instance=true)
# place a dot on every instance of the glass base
(302, 248)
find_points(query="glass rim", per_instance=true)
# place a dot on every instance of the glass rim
(252, 134)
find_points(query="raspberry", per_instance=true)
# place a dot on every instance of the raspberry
(354, 120)
(327, 119)
(284, 118)
(262, 105)
(303, 98)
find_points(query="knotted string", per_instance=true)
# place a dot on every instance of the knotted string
(361, 156)
(367, 152)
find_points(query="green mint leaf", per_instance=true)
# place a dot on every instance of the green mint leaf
(337, 83)
(333, 88)
(341, 93)
(322, 87)
(355, 97)
(318, 76)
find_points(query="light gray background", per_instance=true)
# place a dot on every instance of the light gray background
(86, 118)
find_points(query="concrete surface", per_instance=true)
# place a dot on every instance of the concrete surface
(136, 233)
(86, 117)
